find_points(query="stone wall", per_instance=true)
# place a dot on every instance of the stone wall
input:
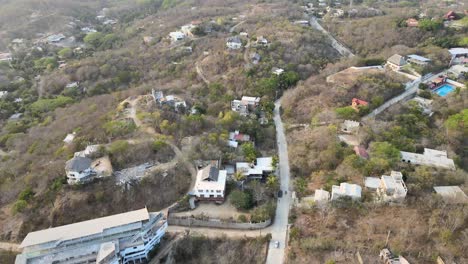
(215, 223)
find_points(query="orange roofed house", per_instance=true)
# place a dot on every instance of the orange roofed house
(357, 103)
(451, 15)
(411, 22)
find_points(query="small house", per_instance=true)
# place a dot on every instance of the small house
(258, 170)
(412, 22)
(210, 184)
(390, 188)
(234, 43)
(451, 194)
(418, 60)
(255, 57)
(358, 103)
(236, 137)
(321, 197)
(246, 104)
(69, 138)
(55, 38)
(261, 41)
(79, 170)
(451, 15)
(176, 36)
(352, 191)
(396, 62)
(430, 157)
(350, 127)
(277, 71)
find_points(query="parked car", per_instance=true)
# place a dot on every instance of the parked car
(280, 193)
(276, 244)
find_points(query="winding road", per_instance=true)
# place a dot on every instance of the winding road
(344, 51)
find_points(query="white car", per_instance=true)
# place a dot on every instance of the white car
(276, 244)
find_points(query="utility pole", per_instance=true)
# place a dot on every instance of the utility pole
(386, 241)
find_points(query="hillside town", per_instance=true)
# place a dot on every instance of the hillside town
(234, 132)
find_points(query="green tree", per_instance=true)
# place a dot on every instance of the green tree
(272, 182)
(65, 53)
(94, 39)
(300, 185)
(430, 25)
(249, 151)
(346, 112)
(240, 199)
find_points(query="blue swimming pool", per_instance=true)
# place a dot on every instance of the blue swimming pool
(444, 89)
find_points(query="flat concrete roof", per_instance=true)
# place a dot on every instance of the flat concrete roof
(85, 228)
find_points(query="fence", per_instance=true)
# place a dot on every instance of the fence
(215, 223)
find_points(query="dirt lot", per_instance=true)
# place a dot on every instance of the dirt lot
(223, 211)
(419, 231)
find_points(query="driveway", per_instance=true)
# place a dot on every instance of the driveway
(280, 226)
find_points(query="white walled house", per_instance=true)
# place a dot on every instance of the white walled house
(388, 188)
(79, 170)
(117, 239)
(396, 62)
(258, 170)
(176, 36)
(352, 191)
(210, 184)
(234, 43)
(321, 197)
(430, 157)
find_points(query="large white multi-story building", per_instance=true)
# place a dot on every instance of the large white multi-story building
(125, 238)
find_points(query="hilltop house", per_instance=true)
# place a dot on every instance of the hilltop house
(125, 238)
(210, 184)
(321, 197)
(236, 137)
(255, 57)
(430, 157)
(459, 55)
(451, 194)
(55, 38)
(79, 170)
(234, 43)
(246, 104)
(358, 103)
(352, 191)
(171, 100)
(277, 71)
(412, 22)
(350, 127)
(89, 151)
(451, 15)
(262, 168)
(176, 36)
(261, 41)
(396, 62)
(418, 60)
(69, 138)
(389, 188)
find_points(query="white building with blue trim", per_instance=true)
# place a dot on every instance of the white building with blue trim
(125, 238)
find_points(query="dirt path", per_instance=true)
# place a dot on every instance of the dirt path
(246, 52)
(201, 74)
(236, 25)
(179, 156)
(9, 246)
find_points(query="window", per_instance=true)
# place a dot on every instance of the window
(212, 196)
(200, 191)
(218, 191)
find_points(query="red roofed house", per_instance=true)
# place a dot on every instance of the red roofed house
(356, 103)
(361, 152)
(411, 22)
(451, 15)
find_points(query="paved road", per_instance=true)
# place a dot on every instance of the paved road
(344, 51)
(280, 226)
(410, 91)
